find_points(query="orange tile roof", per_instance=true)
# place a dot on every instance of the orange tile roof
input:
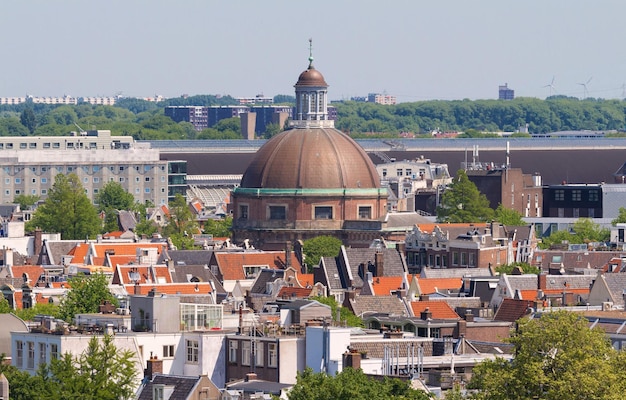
(439, 309)
(125, 249)
(530, 294)
(432, 285)
(95, 269)
(171, 288)
(287, 291)
(305, 279)
(114, 234)
(231, 264)
(33, 272)
(430, 227)
(121, 259)
(153, 274)
(79, 252)
(384, 285)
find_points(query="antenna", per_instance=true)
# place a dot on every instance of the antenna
(584, 85)
(551, 86)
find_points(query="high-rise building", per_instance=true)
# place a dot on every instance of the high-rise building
(504, 93)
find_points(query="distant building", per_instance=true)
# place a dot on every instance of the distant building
(504, 93)
(381, 98)
(258, 99)
(197, 116)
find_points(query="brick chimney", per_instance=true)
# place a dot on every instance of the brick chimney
(38, 244)
(469, 316)
(378, 262)
(287, 254)
(250, 376)
(461, 326)
(352, 359)
(426, 314)
(154, 366)
(542, 281)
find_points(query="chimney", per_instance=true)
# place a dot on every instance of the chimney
(469, 316)
(352, 359)
(543, 280)
(461, 326)
(250, 376)
(287, 255)
(38, 245)
(137, 289)
(154, 366)
(426, 314)
(378, 262)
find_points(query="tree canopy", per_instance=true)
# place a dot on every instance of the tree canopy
(318, 247)
(584, 230)
(67, 210)
(558, 357)
(110, 199)
(351, 384)
(508, 216)
(345, 315)
(101, 372)
(86, 295)
(181, 224)
(463, 202)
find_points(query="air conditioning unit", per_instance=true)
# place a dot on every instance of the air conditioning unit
(607, 306)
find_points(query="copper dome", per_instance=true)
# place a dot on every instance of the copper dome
(313, 158)
(311, 77)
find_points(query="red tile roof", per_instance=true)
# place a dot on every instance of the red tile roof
(152, 274)
(439, 309)
(291, 292)
(433, 285)
(384, 285)
(305, 279)
(33, 272)
(171, 288)
(231, 264)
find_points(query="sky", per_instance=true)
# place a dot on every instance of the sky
(413, 49)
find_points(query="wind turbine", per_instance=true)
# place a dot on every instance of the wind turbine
(584, 85)
(551, 86)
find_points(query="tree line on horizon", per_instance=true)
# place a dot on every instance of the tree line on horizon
(145, 120)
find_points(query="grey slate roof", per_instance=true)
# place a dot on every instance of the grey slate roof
(522, 282)
(391, 305)
(572, 281)
(126, 220)
(184, 273)
(616, 284)
(393, 262)
(55, 250)
(263, 277)
(183, 386)
(328, 274)
(189, 257)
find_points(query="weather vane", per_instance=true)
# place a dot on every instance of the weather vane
(310, 52)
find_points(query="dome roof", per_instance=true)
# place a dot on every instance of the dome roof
(311, 77)
(313, 158)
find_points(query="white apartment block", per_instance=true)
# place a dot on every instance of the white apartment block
(28, 165)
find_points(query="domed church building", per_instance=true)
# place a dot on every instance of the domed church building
(308, 181)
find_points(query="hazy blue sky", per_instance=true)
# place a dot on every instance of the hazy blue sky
(416, 50)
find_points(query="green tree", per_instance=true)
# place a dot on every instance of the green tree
(219, 227)
(621, 217)
(5, 307)
(345, 315)
(557, 357)
(351, 384)
(67, 210)
(26, 200)
(102, 371)
(527, 268)
(181, 224)
(508, 216)
(462, 202)
(144, 225)
(110, 199)
(321, 246)
(28, 119)
(584, 230)
(28, 314)
(85, 296)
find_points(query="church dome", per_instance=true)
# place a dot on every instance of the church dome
(311, 77)
(311, 158)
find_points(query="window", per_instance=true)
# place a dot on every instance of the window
(278, 212)
(463, 258)
(251, 271)
(19, 356)
(30, 362)
(399, 172)
(96, 180)
(258, 353)
(34, 180)
(147, 190)
(22, 145)
(272, 355)
(7, 181)
(593, 195)
(243, 211)
(323, 212)
(192, 351)
(162, 179)
(559, 195)
(168, 351)
(18, 181)
(136, 179)
(365, 212)
(44, 180)
(56, 145)
(122, 179)
(472, 259)
(147, 179)
(232, 351)
(246, 353)
(44, 191)
(32, 145)
(409, 172)
(384, 172)
(576, 195)
(42, 353)
(54, 351)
